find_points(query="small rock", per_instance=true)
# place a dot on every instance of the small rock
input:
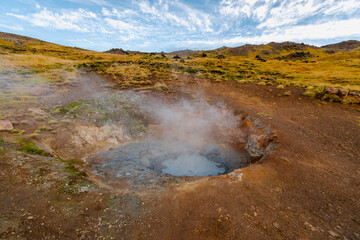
(334, 234)
(312, 228)
(285, 159)
(343, 92)
(354, 94)
(84, 189)
(331, 90)
(276, 225)
(30, 217)
(236, 175)
(5, 125)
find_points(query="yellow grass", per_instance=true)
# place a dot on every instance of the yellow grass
(59, 63)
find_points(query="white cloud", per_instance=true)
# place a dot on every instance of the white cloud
(81, 40)
(80, 20)
(146, 8)
(91, 2)
(75, 20)
(106, 12)
(116, 13)
(329, 30)
(90, 44)
(290, 12)
(119, 25)
(347, 7)
(15, 28)
(200, 19)
(256, 9)
(227, 22)
(275, 13)
(177, 14)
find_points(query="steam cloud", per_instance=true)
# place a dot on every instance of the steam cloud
(196, 122)
(189, 130)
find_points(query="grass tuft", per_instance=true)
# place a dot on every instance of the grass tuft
(72, 169)
(66, 121)
(34, 135)
(309, 94)
(28, 147)
(17, 132)
(54, 121)
(265, 114)
(287, 93)
(45, 128)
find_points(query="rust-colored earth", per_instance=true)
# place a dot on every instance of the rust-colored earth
(307, 188)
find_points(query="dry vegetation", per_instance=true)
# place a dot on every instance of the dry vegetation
(264, 64)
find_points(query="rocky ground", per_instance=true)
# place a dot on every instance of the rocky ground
(305, 188)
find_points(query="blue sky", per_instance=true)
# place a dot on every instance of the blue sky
(162, 25)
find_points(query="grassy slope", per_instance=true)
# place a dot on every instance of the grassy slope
(51, 61)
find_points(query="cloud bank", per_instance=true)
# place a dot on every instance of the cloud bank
(168, 25)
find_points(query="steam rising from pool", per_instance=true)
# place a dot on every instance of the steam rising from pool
(188, 138)
(196, 122)
(186, 127)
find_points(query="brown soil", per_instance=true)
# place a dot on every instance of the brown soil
(307, 188)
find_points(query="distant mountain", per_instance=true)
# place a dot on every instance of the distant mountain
(182, 52)
(343, 46)
(288, 46)
(241, 51)
(120, 51)
(271, 48)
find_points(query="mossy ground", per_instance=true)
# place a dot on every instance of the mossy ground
(29, 147)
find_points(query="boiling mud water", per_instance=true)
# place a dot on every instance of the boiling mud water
(157, 163)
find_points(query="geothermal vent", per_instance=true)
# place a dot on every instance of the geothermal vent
(185, 140)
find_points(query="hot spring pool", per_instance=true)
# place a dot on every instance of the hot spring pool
(143, 164)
